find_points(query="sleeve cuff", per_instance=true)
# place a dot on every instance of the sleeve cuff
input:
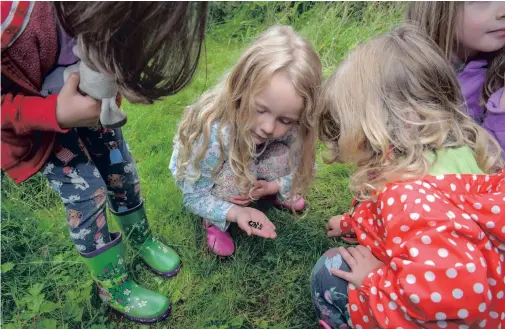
(40, 114)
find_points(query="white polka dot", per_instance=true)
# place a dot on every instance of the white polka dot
(360, 327)
(482, 324)
(391, 201)
(393, 266)
(440, 316)
(397, 240)
(414, 299)
(465, 216)
(498, 270)
(365, 319)
(429, 276)
(499, 295)
(436, 297)
(430, 198)
(380, 308)
(429, 262)
(451, 273)
(404, 228)
(442, 324)
(477, 205)
(495, 210)
(474, 217)
(417, 201)
(489, 224)
(389, 252)
(492, 282)
(443, 252)
(503, 229)
(450, 214)
(452, 242)
(390, 216)
(463, 314)
(441, 228)
(414, 216)
(392, 305)
(363, 236)
(482, 307)
(457, 293)
(414, 252)
(426, 207)
(494, 315)
(470, 246)
(440, 177)
(411, 279)
(373, 291)
(478, 288)
(457, 226)
(453, 187)
(393, 296)
(354, 307)
(426, 239)
(408, 187)
(470, 267)
(463, 326)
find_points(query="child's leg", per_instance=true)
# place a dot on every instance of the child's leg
(82, 191)
(329, 293)
(109, 151)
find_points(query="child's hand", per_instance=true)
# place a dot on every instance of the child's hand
(74, 109)
(361, 261)
(261, 189)
(252, 221)
(333, 226)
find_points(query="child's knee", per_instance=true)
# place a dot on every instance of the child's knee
(321, 277)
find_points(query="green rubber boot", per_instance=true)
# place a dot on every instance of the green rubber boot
(108, 268)
(160, 258)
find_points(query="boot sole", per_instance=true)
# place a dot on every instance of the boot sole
(168, 274)
(159, 318)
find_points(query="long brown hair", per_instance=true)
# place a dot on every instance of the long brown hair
(231, 103)
(152, 48)
(440, 20)
(391, 101)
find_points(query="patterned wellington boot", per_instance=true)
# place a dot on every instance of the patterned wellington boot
(160, 258)
(108, 268)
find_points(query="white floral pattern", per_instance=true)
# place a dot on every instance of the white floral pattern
(197, 194)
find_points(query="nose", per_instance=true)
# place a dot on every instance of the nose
(268, 127)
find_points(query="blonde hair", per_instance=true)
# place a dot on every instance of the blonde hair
(440, 20)
(390, 101)
(231, 103)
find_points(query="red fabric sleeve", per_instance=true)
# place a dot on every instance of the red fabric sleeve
(24, 114)
(435, 274)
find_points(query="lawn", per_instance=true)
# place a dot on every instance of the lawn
(266, 283)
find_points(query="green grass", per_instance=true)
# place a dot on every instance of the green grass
(266, 283)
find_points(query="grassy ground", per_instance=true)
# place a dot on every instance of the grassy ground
(265, 284)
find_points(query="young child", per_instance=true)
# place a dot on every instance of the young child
(251, 136)
(429, 212)
(472, 36)
(147, 49)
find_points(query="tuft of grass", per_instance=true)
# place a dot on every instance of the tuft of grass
(266, 283)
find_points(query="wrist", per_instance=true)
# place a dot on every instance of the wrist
(274, 187)
(232, 214)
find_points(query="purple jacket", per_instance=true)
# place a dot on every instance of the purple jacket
(491, 116)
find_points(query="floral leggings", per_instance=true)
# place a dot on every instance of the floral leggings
(88, 166)
(270, 165)
(329, 293)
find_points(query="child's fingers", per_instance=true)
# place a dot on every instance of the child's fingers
(355, 253)
(347, 276)
(264, 233)
(349, 259)
(333, 233)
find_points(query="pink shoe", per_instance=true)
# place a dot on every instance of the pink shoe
(219, 242)
(323, 325)
(299, 205)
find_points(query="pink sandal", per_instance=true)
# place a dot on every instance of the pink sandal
(220, 243)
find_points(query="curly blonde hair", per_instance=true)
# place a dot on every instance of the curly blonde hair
(440, 20)
(391, 100)
(231, 103)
